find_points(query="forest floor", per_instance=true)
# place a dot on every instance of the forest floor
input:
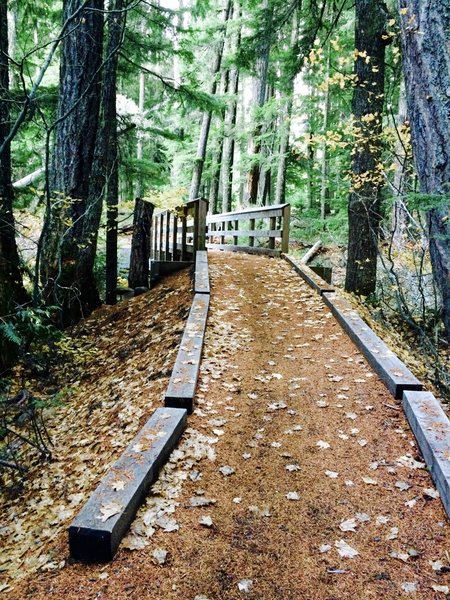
(297, 478)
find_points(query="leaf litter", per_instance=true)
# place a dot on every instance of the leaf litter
(324, 503)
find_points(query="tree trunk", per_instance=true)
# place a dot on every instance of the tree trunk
(230, 122)
(285, 124)
(140, 244)
(399, 213)
(324, 187)
(260, 96)
(12, 291)
(425, 27)
(367, 179)
(107, 145)
(69, 236)
(207, 116)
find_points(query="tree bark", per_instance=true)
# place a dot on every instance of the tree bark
(367, 178)
(425, 27)
(260, 96)
(324, 187)
(230, 123)
(140, 244)
(12, 292)
(108, 147)
(400, 183)
(73, 212)
(285, 122)
(207, 116)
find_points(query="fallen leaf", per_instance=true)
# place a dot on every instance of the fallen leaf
(431, 493)
(293, 467)
(370, 481)
(345, 550)
(323, 445)
(117, 486)
(348, 525)
(245, 585)
(160, 555)
(402, 485)
(332, 474)
(409, 587)
(109, 510)
(441, 588)
(393, 533)
(292, 496)
(206, 521)
(226, 470)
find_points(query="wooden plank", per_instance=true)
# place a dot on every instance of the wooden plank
(276, 233)
(251, 237)
(260, 212)
(246, 249)
(246, 232)
(391, 370)
(201, 279)
(286, 228)
(311, 278)
(183, 381)
(431, 428)
(92, 539)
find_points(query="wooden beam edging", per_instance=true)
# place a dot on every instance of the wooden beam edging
(93, 535)
(245, 249)
(311, 278)
(431, 428)
(428, 421)
(183, 381)
(201, 277)
(391, 370)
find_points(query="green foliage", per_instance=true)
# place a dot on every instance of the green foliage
(23, 329)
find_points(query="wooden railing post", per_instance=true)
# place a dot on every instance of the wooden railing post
(251, 239)
(167, 236)
(235, 237)
(202, 212)
(286, 226)
(161, 235)
(174, 236)
(184, 234)
(272, 227)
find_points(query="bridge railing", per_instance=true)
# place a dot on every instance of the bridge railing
(258, 230)
(177, 235)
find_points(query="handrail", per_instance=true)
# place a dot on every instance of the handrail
(228, 225)
(177, 235)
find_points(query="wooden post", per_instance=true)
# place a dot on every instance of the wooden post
(202, 212)
(167, 236)
(272, 226)
(251, 238)
(161, 233)
(235, 237)
(174, 237)
(184, 234)
(223, 228)
(155, 237)
(286, 225)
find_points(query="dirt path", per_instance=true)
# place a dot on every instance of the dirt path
(295, 455)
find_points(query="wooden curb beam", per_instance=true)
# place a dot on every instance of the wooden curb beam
(183, 381)
(93, 535)
(311, 278)
(431, 427)
(201, 279)
(391, 370)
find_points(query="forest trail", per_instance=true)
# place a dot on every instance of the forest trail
(304, 458)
